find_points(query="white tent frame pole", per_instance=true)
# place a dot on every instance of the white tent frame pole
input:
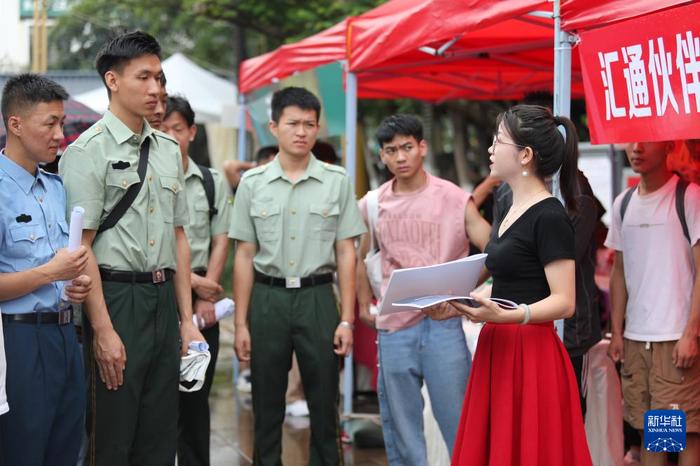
(241, 128)
(562, 66)
(351, 169)
(562, 89)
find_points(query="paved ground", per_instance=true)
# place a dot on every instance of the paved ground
(232, 423)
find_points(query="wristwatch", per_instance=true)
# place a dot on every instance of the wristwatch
(346, 324)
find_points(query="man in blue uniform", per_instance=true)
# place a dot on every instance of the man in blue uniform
(45, 378)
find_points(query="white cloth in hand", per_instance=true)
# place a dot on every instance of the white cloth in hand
(193, 368)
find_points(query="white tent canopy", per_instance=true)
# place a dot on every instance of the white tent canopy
(213, 99)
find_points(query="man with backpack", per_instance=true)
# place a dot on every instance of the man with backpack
(208, 204)
(655, 291)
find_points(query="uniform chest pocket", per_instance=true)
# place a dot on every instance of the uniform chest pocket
(167, 195)
(323, 220)
(117, 183)
(267, 219)
(199, 221)
(25, 239)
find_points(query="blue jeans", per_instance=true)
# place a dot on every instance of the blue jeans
(431, 351)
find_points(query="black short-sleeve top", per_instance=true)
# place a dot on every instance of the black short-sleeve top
(542, 234)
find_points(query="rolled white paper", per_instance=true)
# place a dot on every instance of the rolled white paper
(75, 234)
(222, 309)
(75, 237)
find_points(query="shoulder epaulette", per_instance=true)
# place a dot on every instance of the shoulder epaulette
(52, 175)
(259, 170)
(95, 130)
(333, 168)
(163, 135)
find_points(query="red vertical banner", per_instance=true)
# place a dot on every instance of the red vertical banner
(642, 77)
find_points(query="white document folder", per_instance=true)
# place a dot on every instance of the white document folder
(456, 278)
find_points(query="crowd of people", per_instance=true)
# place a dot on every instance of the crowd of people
(156, 237)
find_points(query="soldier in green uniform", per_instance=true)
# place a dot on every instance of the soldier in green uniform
(208, 201)
(130, 181)
(295, 220)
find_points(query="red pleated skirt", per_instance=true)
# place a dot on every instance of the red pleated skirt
(522, 404)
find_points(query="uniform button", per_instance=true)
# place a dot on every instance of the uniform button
(124, 183)
(152, 242)
(293, 237)
(151, 210)
(41, 198)
(325, 213)
(32, 237)
(264, 213)
(294, 212)
(150, 178)
(175, 188)
(291, 263)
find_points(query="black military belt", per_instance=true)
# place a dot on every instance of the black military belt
(294, 282)
(201, 271)
(157, 276)
(60, 317)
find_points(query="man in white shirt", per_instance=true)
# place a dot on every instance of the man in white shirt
(655, 291)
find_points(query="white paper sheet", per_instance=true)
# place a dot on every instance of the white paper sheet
(75, 236)
(455, 278)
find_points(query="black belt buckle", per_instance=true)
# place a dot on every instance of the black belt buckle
(65, 317)
(159, 276)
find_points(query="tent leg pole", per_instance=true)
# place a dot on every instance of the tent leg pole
(562, 66)
(241, 128)
(562, 94)
(351, 167)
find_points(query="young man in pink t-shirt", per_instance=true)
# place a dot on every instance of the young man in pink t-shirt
(422, 220)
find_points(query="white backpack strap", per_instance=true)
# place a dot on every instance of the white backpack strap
(372, 216)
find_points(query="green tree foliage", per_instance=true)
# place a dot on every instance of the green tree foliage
(204, 30)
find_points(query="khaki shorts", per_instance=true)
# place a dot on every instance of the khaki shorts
(650, 380)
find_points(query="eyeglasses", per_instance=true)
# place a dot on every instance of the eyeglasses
(498, 141)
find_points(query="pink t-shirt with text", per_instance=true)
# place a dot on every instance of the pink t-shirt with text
(425, 227)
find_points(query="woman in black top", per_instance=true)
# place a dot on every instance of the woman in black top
(521, 406)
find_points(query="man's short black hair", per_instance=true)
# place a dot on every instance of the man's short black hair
(265, 153)
(294, 97)
(180, 105)
(120, 50)
(24, 90)
(399, 125)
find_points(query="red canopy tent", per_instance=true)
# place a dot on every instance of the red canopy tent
(473, 49)
(500, 49)
(322, 48)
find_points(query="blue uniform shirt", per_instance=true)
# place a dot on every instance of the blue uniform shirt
(32, 228)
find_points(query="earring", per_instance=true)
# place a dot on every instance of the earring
(525, 173)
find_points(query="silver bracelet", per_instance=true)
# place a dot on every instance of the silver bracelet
(346, 324)
(528, 313)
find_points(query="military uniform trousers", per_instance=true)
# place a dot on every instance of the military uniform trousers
(194, 423)
(304, 321)
(136, 425)
(46, 394)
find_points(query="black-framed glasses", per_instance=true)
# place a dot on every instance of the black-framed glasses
(498, 141)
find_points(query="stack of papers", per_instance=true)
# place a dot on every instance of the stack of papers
(427, 301)
(453, 280)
